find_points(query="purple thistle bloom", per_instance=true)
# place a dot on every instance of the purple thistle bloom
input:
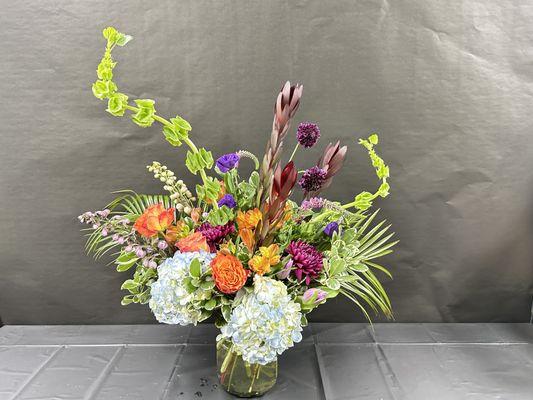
(312, 203)
(331, 228)
(227, 162)
(313, 179)
(307, 261)
(319, 293)
(227, 200)
(308, 134)
(215, 234)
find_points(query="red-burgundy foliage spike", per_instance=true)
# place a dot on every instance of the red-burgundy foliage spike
(284, 181)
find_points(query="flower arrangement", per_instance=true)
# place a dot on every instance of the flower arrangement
(241, 250)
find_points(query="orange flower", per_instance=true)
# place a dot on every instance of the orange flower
(196, 213)
(154, 219)
(248, 238)
(269, 256)
(174, 232)
(194, 242)
(228, 273)
(250, 219)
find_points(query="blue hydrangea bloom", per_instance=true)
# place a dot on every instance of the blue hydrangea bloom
(170, 302)
(265, 323)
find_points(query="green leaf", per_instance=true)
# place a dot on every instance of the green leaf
(209, 190)
(127, 300)
(195, 269)
(122, 39)
(129, 285)
(373, 139)
(144, 117)
(333, 284)
(226, 312)
(210, 305)
(207, 285)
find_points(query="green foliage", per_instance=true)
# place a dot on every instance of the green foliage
(247, 191)
(220, 216)
(199, 160)
(104, 89)
(348, 266)
(363, 201)
(177, 131)
(144, 117)
(139, 285)
(209, 190)
(117, 104)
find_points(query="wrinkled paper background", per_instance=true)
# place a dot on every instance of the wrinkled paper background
(446, 84)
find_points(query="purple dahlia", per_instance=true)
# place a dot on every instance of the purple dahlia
(306, 261)
(215, 234)
(307, 134)
(313, 179)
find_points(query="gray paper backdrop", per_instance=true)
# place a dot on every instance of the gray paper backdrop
(447, 84)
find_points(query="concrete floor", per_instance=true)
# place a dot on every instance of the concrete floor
(334, 361)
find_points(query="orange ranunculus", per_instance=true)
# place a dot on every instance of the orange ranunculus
(153, 220)
(228, 273)
(250, 219)
(194, 242)
(269, 256)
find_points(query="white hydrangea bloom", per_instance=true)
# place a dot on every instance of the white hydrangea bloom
(170, 302)
(265, 323)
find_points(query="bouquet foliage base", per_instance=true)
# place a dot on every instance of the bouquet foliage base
(241, 378)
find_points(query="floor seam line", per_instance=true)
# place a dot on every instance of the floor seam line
(37, 371)
(98, 382)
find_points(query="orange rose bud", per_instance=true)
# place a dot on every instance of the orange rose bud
(194, 242)
(228, 273)
(153, 220)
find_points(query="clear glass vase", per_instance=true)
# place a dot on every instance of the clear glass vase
(241, 378)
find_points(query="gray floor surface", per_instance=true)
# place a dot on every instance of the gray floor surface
(334, 361)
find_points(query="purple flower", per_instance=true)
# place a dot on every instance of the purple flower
(319, 295)
(162, 245)
(215, 234)
(313, 179)
(228, 162)
(308, 134)
(228, 201)
(285, 271)
(331, 228)
(312, 203)
(307, 261)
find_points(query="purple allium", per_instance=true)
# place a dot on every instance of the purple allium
(227, 200)
(320, 295)
(312, 203)
(331, 228)
(308, 134)
(228, 162)
(312, 179)
(215, 234)
(307, 261)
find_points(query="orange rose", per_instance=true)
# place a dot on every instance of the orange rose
(194, 242)
(228, 273)
(153, 220)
